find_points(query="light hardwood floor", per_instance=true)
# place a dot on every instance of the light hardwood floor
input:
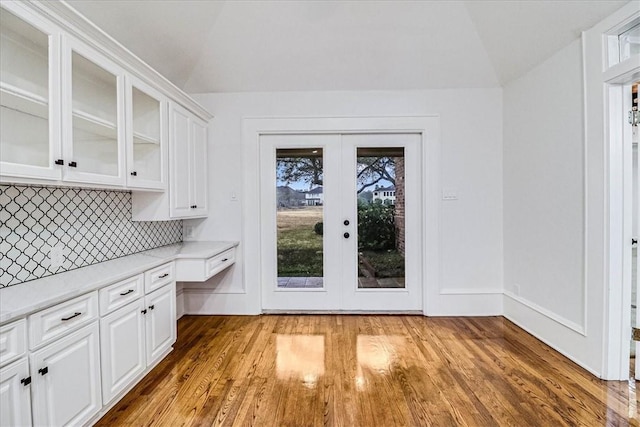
(341, 370)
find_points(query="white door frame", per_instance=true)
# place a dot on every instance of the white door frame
(427, 126)
(610, 79)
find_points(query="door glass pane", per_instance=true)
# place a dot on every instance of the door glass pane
(24, 92)
(629, 43)
(146, 136)
(95, 131)
(381, 230)
(299, 216)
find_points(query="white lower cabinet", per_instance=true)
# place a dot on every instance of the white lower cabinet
(123, 348)
(15, 399)
(134, 337)
(79, 363)
(161, 321)
(66, 379)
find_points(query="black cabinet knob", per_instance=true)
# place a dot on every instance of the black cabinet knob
(346, 235)
(134, 173)
(346, 222)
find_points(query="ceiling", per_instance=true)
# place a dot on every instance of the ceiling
(306, 45)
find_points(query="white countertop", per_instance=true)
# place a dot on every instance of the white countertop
(26, 298)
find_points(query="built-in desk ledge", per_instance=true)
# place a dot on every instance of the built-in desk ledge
(204, 258)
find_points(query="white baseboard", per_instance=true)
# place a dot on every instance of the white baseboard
(562, 338)
(551, 315)
(465, 302)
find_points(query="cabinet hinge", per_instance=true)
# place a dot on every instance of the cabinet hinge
(635, 334)
(26, 381)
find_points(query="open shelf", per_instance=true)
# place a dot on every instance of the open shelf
(20, 100)
(90, 124)
(24, 55)
(140, 138)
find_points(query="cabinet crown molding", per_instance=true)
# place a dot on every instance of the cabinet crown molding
(77, 25)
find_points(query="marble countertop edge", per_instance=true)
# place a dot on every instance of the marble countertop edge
(25, 298)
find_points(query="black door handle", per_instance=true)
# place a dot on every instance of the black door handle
(346, 235)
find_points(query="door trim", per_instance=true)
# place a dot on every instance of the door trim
(428, 127)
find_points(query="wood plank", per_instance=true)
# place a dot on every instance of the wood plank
(347, 370)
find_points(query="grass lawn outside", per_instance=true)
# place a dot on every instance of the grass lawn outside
(300, 248)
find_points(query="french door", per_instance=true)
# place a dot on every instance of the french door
(341, 222)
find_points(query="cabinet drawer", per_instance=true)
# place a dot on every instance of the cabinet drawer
(216, 264)
(120, 294)
(13, 341)
(159, 276)
(60, 319)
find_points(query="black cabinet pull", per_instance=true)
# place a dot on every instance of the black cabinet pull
(152, 306)
(43, 371)
(126, 293)
(26, 381)
(73, 164)
(144, 311)
(59, 162)
(134, 173)
(76, 314)
(162, 276)
(224, 259)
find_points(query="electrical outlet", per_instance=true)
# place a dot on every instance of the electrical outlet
(516, 288)
(234, 196)
(188, 231)
(56, 256)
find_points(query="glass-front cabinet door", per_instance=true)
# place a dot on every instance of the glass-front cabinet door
(146, 137)
(29, 96)
(93, 117)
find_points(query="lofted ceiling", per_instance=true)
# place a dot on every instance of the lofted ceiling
(306, 45)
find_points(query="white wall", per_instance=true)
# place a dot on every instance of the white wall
(471, 164)
(544, 186)
(545, 208)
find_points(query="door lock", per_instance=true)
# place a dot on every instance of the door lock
(346, 235)
(346, 222)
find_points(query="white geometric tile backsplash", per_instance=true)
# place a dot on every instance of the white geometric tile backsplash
(92, 225)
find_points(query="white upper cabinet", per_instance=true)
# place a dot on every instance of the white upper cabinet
(78, 109)
(188, 165)
(187, 194)
(146, 136)
(29, 95)
(93, 112)
(199, 167)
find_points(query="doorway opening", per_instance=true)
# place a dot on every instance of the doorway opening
(634, 362)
